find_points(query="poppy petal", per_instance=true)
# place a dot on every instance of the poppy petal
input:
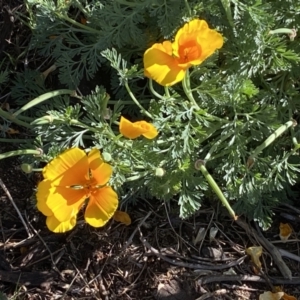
(122, 217)
(129, 130)
(208, 40)
(161, 65)
(101, 207)
(133, 130)
(58, 227)
(100, 170)
(62, 202)
(210, 44)
(61, 169)
(43, 192)
(150, 132)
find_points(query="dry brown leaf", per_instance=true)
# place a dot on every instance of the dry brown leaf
(255, 253)
(9, 130)
(83, 20)
(285, 231)
(288, 297)
(285, 296)
(123, 217)
(271, 296)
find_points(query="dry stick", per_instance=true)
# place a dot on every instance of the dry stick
(213, 294)
(47, 248)
(129, 241)
(253, 278)
(290, 255)
(283, 268)
(15, 206)
(191, 265)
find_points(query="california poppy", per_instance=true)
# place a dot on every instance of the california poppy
(132, 130)
(167, 62)
(69, 180)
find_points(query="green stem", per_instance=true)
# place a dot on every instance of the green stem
(105, 132)
(215, 145)
(87, 28)
(187, 89)
(127, 101)
(282, 30)
(292, 33)
(130, 4)
(200, 166)
(81, 8)
(227, 7)
(156, 94)
(12, 118)
(188, 8)
(20, 152)
(167, 92)
(19, 141)
(41, 99)
(136, 177)
(212, 117)
(144, 111)
(278, 132)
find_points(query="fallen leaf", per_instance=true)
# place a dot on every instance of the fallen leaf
(288, 297)
(83, 20)
(229, 272)
(12, 131)
(271, 296)
(48, 71)
(9, 130)
(200, 236)
(285, 231)
(212, 233)
(285, 296)
(255, 253)
(123, 217)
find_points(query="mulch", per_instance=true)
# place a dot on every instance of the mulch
(159, 256)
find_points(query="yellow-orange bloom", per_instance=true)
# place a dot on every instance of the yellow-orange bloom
(167, 62)
(132, 130)
(69, 180)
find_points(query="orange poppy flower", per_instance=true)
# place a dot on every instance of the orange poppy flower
(132, 130)
(167, 62)
(69, 180)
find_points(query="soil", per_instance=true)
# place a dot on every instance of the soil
(156, 257)
(159, 256)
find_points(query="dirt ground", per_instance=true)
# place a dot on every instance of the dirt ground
(158, 256)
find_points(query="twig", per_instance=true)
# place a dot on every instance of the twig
(213, 294)
(291, 207)
(290, 255)
(129, 241)
(46, 246)
(191, 265)
(16, 208)
(228, 278)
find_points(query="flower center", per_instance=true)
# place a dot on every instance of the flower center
(189, 51)
(89, 187)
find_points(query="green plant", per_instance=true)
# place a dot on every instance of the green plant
(237, 112)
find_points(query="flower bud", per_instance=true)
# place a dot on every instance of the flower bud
(106, 156)
(43, 120)
(160, 172)
(26, 168)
